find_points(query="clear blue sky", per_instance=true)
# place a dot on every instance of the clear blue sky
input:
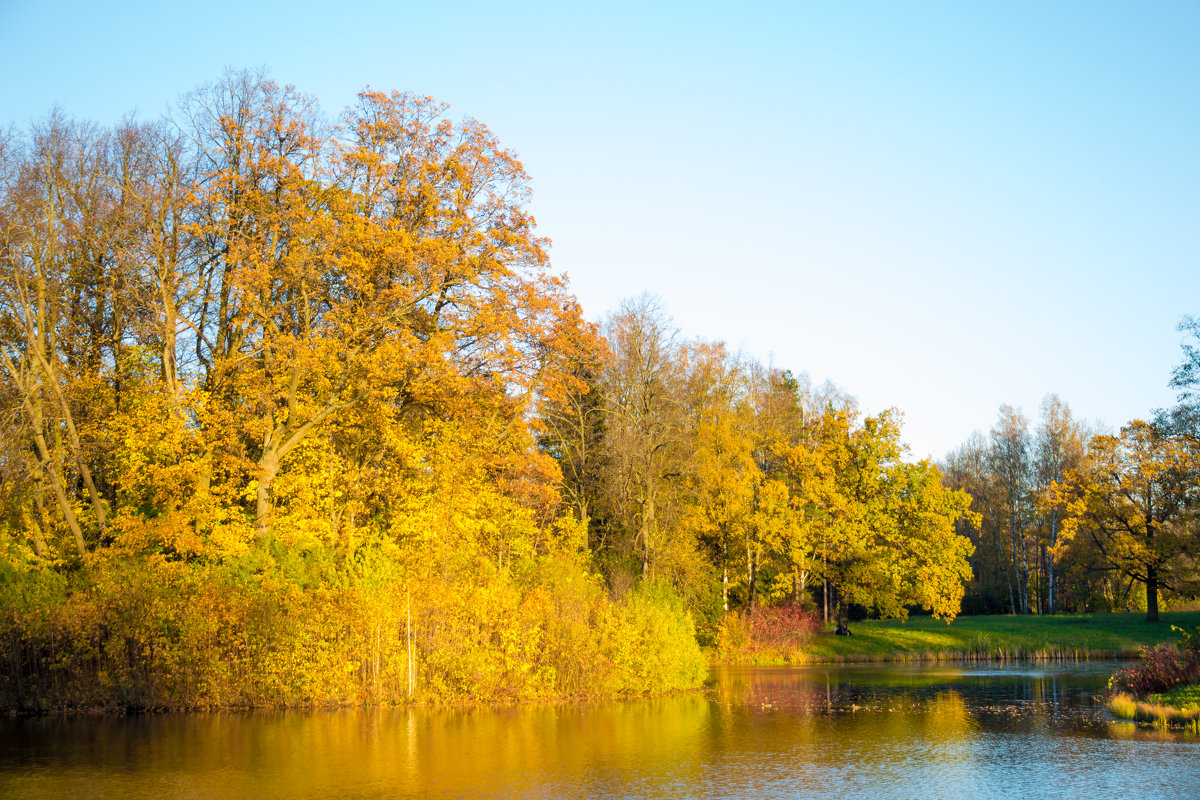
(941, 206)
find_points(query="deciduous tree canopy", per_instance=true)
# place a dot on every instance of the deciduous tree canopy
(294, 410)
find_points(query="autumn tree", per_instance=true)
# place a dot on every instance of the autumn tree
(572, 428)
(65, 319)
(1011, 463)
(1058, 447)
(790, 474)
(890, 536)
(644, 422)
(1134, 499)
(721, 477)
(968, 468)
(266, 379)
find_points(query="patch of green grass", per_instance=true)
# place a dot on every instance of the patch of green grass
(999, 637)
(1179, 707)
(1185, 698)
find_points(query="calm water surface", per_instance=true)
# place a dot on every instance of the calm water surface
(874, 732)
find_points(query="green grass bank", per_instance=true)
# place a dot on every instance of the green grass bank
(999, 637)
(1178, 708)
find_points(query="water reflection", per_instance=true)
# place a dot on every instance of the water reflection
(879, 732)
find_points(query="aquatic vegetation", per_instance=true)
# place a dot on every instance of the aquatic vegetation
(1123, 706)
(1156, 710)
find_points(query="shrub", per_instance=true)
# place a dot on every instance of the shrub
(777, 633)
(1182, 697)
(733, 638)
(1190, 640)
(654, 643)
(785, 627)
(1161, 668)
(145, 632)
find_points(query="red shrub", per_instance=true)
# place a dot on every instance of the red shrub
(1162, 667)
(785, 627)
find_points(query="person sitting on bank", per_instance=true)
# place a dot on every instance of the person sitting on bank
(841, 629)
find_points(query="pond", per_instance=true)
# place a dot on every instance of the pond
(883, 731)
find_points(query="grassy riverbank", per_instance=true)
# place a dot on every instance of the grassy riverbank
(1178, 707)
(998, 637)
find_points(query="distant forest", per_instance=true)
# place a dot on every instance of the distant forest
(294, 411)
(1071, 519)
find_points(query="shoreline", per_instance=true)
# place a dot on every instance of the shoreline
(977, 639)
(939, 657)
(994, 639)
(426, 705)
(1151, 711)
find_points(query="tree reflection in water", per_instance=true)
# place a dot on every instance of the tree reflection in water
(872, 731)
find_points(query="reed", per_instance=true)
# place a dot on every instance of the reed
(1155, 712)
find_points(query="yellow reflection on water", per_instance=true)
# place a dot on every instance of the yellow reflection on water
(762, 732)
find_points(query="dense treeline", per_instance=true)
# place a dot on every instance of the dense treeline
(745, 486)
(1016, 537)
(1070, 519)
(295, 412)
(268, 388)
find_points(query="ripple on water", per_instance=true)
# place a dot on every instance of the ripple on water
(864, 732)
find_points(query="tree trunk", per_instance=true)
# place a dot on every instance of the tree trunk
(647, 528)
(750, 592)
(1009, 564)
(1039, 597)
(1152, 594)
(35, 534)
(825, 588)
(725, 575)
(268, 466)
(799, 584)
(77, 451)
(1024, 574)
(51, 473)
(1052, 607)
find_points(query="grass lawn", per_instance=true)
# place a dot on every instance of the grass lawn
(998, 637)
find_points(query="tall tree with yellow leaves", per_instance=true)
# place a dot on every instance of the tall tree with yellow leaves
(1135, 499)
(721, 475)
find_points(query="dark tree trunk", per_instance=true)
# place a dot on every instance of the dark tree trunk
(1152, 594)
(1051, 605)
